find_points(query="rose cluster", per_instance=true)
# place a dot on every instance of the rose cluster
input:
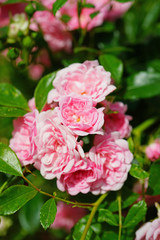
(54, 139)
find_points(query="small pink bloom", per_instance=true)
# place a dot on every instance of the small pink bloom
(112, 156)
(153, 150)
(56, 146)
(117, 9)
(88, 78)
(79, 179)
(149, 231)
(54, 31)
(118, 121)
(80, 116)
(67, 216)
(22, 142)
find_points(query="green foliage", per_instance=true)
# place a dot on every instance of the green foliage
(13, 53)
(107, 216)
(154, 180)
(42, 90)
(136, 214)
(137, 172)
(11, 112)
(143, 85)
(78, 231)
(128, 197)
(9, 162)
(57, 5)
(48, 213)
(113, 65)
(17, 196)
(12, 97)
(29, 214)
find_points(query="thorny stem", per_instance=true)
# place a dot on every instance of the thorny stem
(120, 214)
(82, 205)
(94, 209)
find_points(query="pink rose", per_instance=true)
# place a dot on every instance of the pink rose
(149, 231)
(80, 116)
(153, 150)
(88, 78)
(117, 121)
(79, 179)
(67, 216)
(56, 146)
(111, 156)
(85, 21)
(22, 142)
(117, 9)
(54, 31)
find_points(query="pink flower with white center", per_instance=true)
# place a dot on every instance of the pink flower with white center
(80, 116)
(88, 78)
(54, 31)
(153, 150)
(56, 146)
(67, 216)
(12, 9)
(22, 142)
(117, 9)
(117, 120)
(149, 231)
(80, 178)
(113, 158)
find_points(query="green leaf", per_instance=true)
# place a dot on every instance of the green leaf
(96, 227)
(65, 18)
(29, 215)
(78, 231)
(154, 179)
(109, 235)
(154, 65)
(131, 144)
(14, 198)
(11, 112)
(113, 65)
(12, 97)
(42, 90)
(13, 1)
(57, 5)
(94, 14)
(128, 198)
(143, 85)
(107, 216)
(135, 214)
(137, 172)
(48, 213)
(9, 162)
(88, 5)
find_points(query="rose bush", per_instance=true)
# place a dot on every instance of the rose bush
(79, 117)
